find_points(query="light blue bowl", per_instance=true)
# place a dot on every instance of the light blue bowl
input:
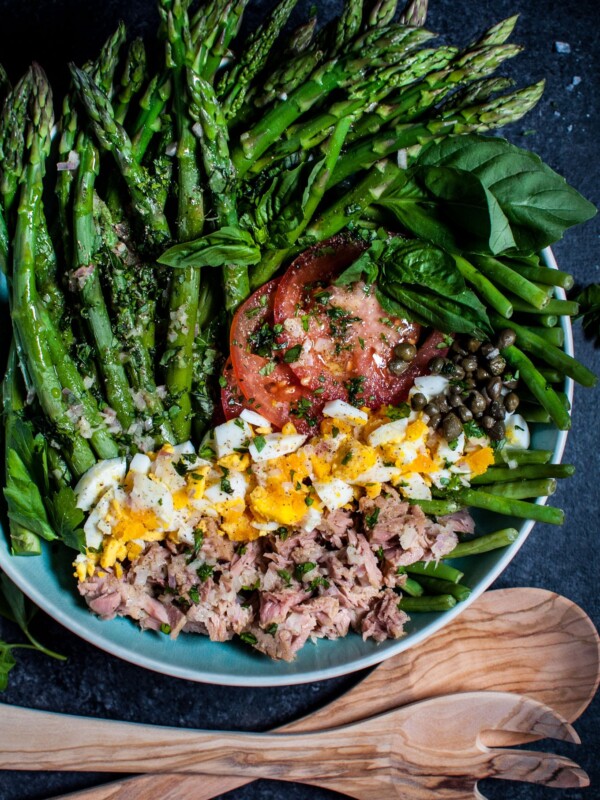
(48, 581)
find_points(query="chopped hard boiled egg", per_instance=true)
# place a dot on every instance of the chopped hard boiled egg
(252, 482)
(102, 476)
(517, 432)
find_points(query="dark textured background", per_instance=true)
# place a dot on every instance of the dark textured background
(564, 129)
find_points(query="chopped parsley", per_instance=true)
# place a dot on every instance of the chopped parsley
(198, 542)
(302, 569)
(271, 629)
(347, 458)
(222, 381)
(248, 638)
(180, 468)
(194, 595)
(398, 412)
(267, 369)
(285, 576)
(164, 628)
(282, 532)
(472, 429)
(335, 432)
(302, 409)
(205, 571)
(355, 386)
(293, 354)
(305, 322)
(207, 452)
(259, 442)
(225, 482)
(371, 519)
(319, 581)
(263, 341)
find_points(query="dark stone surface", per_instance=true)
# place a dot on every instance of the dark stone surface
(564, 130)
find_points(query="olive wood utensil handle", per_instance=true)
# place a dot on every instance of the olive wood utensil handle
(501, 641)
(408, 751)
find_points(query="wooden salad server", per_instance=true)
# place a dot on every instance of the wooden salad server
(528, 641)
(414, 752)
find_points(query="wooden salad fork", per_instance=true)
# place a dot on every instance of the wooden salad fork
(414, 752)
(523, 640)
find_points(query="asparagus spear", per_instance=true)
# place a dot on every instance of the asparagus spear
(145, 194)
(25, 299)
(132, 78)
(234, 86)
(382, 14)
(185, 287)
(12, 124)
(415, 13)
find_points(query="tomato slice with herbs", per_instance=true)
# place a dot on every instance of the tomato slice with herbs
(232, 399)
(267, 385)
(338, 340)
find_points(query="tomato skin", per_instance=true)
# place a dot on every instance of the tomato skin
(284, 392)
(232, 399)
(274, 395)
(340, 338)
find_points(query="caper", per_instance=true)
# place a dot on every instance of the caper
(497, 365)
(511, 402)
(487, 422)
(470, 383)
(405, 351)
(455, 400)
(443, 404)
(436, 364)
(418, 401)
(498, 431)
(497, 410)
(469, 363)
(452, 427)
(482, 374)
(431, 409)
(397, 366)
(457, 348)
(506, 338)
(511, 384)
(473, 345)
(477, 403)
(458, 372)
(465, 414)
(494, 387)
(487, 348)
(434, 421)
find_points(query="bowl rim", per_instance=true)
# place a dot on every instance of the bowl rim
(10, 565)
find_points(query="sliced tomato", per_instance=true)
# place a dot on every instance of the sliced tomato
(338, 340)
(268, 386)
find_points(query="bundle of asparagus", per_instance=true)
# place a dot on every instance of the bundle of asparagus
(236, 154)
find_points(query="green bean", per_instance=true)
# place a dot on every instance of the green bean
(506, 454)
(538, 386)
(485, 543)
(524, 490)
(436, 569)
(560, 308)
(424, 605)
(441, 587)
(525, 472)
(437, 508)
(412, 588)
(555, 336)
(512, 508)
(524, 290)
(553, 277)
(535, 415)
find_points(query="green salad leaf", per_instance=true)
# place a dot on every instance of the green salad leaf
(482, 194)
(228, 245)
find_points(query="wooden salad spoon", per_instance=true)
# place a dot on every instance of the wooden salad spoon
(528, 641)
(415, 752)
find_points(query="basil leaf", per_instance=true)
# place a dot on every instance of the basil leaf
(365, 265)
(25, 504)
(461, 313)
(420, 263)
(537, 202)
(7, 662)
(228, 245)
(67, 518)
(13, 604)
(470, 207)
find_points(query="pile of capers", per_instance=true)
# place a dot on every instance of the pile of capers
(480, 389)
